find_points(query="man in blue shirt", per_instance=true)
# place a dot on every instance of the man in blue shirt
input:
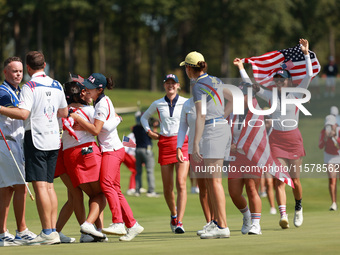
(11, 183)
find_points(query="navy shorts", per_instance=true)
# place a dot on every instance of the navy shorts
(39, 165)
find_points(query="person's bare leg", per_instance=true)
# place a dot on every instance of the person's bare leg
(296, 164)
(168, 187)
(204, 199)
(270, 193)
(97, 200)
(54, 204)
(19, 206)
(44, 204)
(100, 221)
(280, 188)
(5, 198)
(235, 188)
(181, 186)
(218, 193)
(75, 203)
(332, 182)
(255, 203)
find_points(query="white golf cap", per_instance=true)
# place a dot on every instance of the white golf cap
(330, 120)
(334, 110)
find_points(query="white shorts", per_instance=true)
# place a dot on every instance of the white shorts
(9, 174)
(331, 159)
(216, 141)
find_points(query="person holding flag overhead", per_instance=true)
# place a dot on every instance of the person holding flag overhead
(286, 141)
(290, 59)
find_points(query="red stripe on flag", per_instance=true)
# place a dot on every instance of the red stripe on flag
(268, 55)
(265, 65)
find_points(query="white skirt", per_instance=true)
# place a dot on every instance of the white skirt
(9, 174)
(331, 159)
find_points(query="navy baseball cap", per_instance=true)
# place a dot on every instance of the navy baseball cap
(283, 73)
(244, 87)
(170, 76)
(95, 81)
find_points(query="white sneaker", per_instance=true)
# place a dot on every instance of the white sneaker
(298, 218)
(263, 194)
(284, 221)
(132, 232)
(7, 239)
(195, 190)
(152, 194)
(216, 232)
(142, 190)
(255, 230)
(246, 225)
(130, 192)
(66, 239)
(272, 210)
(179, 228)
(115, 229)
(202, 231)
(89, 229)
(25, 236)
(333, 207)
(44, 239)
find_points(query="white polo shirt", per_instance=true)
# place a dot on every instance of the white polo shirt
(169, 115)
(108, 137)
(43, 96)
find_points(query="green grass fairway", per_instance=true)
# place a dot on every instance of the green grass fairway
(319, 233)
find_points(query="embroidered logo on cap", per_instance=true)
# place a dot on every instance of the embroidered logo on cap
(91, 79)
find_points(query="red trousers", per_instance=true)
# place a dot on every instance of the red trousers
(110, 184)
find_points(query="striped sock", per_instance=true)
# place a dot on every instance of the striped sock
(282, 209)
(255, 218)
(245, 211)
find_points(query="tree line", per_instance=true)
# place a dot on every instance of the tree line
(137, 42)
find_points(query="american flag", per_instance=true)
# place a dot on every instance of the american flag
(253, 142)
(77, 78)
(68, 126)
(292, 59)
(128, 142)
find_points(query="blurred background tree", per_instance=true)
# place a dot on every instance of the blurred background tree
(139, 41)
